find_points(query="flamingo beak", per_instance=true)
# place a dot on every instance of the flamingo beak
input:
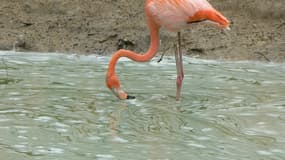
(121, 94)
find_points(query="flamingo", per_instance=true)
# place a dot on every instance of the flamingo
(173, 15)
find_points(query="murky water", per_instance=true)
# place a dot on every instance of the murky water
(55, 106)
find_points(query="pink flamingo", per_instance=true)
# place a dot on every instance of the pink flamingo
(173, 15)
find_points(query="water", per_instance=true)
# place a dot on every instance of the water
(56, 106)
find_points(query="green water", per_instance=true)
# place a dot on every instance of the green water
(56, 106)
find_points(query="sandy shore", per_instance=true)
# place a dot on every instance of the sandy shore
(102, 27)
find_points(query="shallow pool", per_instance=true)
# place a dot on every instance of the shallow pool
(56, 106)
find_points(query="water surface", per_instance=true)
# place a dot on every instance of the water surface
(56, 106)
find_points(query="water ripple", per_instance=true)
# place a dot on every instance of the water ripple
(57, 105)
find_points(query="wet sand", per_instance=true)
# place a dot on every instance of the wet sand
(102, 27)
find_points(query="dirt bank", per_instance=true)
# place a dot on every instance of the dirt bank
(101, 27)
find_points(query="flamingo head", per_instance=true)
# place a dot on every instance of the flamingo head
(113, 84)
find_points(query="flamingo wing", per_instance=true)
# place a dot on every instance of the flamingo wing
(175, 14)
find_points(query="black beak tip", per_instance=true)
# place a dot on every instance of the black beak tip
(131, 97)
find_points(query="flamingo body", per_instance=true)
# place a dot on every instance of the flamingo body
(173, 15)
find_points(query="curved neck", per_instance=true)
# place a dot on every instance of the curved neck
(154, 45)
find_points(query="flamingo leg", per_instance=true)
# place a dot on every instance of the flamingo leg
(179, 67)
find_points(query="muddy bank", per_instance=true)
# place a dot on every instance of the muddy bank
(102, 27)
